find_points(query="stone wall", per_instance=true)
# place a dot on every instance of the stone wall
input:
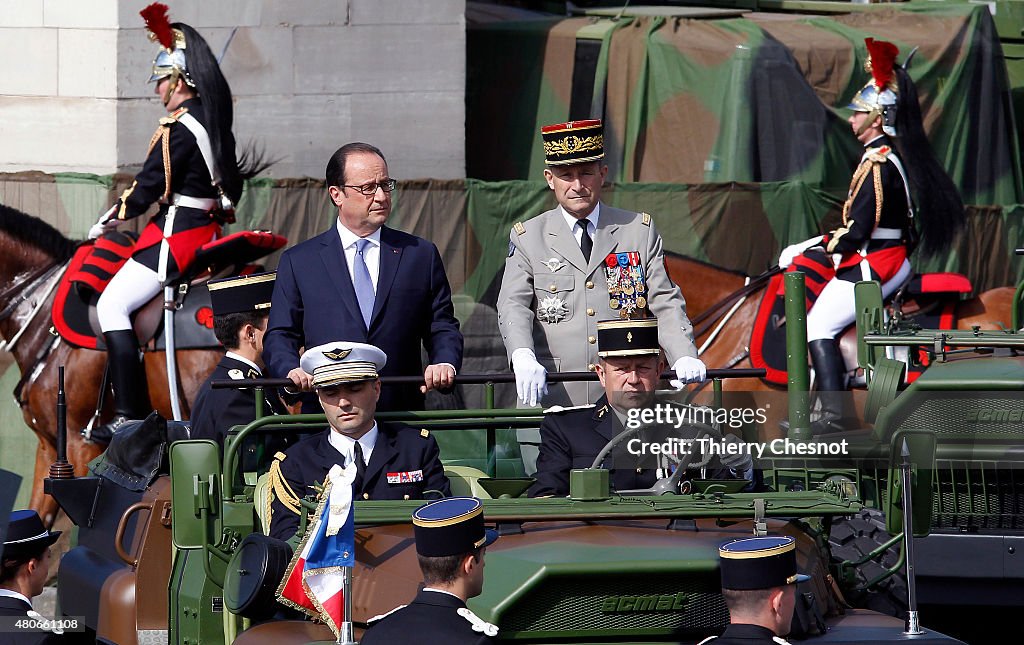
(307, 76)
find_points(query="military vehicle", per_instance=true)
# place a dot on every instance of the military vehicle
(594, 567)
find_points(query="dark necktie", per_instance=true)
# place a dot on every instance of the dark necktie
(586, 244)
(362, 283)
(357, 485)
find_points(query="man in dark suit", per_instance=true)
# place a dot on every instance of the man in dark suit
(450, 544)
(365, 282)
(24, 566)
(240, 308)
(629, 367)
(393, 461)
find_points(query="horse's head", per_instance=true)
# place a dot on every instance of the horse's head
(28, 242)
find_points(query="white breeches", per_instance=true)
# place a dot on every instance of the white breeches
(133, 286)
(834, 309)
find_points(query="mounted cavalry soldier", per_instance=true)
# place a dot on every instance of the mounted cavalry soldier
(192, 172)
(579, 263)
(897, 178)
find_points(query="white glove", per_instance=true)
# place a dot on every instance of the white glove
(106, 222)
(790, 252)
(531, 377)
(742, 462)
(688, 370)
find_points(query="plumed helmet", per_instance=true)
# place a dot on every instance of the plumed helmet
(879, 96)
(170, 61)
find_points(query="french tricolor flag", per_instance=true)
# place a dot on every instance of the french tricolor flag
(315, 580)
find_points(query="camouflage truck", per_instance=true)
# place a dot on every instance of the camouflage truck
(594, 567)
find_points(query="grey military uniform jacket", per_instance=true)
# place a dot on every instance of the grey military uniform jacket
(545, 262)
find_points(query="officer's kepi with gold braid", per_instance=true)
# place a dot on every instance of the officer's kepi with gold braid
(451, 526)
(759, 563)
(573, 142)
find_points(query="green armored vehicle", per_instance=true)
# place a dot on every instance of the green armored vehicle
(595, 567)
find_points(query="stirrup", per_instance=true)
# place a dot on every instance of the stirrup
(102, 434)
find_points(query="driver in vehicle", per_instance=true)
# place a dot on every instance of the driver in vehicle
(630, 363)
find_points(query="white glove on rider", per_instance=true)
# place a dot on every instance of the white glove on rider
(106, 222)
(790, 252)
(531, 377)
(688, 370)
(742, 462)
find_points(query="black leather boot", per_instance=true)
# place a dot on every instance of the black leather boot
(828, 377)
(128, 378)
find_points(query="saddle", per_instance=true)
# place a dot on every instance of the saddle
(928, 300)
(95, 262)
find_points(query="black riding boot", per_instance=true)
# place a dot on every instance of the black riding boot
(128, 379)
(828, 376)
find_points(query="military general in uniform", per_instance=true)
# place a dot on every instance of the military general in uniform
(576, 264)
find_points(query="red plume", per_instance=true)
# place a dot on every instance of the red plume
(159, 24)
(882, 55)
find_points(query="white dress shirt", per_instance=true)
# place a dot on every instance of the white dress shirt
(346, 445)
(371, 256)
(577, 231)
(242, 359)
(14, 594)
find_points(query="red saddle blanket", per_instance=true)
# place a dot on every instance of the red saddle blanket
(94, 264)
(933, 297)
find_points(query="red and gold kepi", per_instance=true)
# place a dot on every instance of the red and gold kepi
(573, 142)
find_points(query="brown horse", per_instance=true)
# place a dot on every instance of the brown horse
(725, 336)
(32, 257)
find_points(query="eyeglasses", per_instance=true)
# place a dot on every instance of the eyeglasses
(387, 186)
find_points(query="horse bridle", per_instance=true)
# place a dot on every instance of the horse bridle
(706, 319)
(22, 289)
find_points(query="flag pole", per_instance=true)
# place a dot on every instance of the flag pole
(345, 633)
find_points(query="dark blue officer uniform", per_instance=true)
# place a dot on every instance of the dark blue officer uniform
(573, 438)
(443, 528)
(216, 411)
(432, 616)
(399, 450)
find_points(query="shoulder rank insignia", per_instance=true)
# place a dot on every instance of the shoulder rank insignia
(424, 433)
(519, 228)
(236, 374)
(479, 624)
(379, 617)
(561, 408)
(645, 219)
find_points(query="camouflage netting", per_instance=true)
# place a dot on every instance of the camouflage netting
(727, 130)
(757, 98)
